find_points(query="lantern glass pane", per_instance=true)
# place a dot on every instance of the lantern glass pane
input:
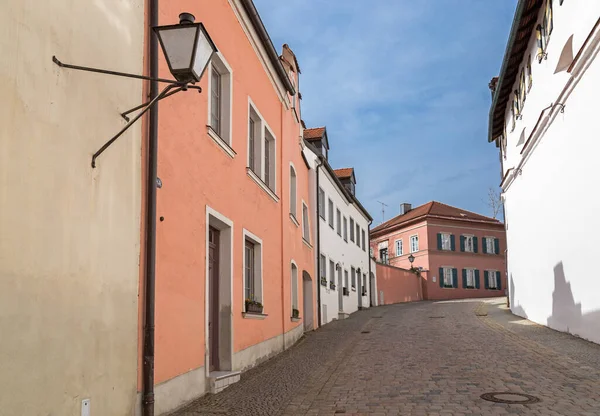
(204, 51)
(179, 44)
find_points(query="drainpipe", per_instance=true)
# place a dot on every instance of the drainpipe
(150, 276)
(369, 260)
(318, 277)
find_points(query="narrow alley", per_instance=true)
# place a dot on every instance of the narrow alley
(426, 358)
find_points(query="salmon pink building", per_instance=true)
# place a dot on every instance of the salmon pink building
(460, 253)
(235, 261)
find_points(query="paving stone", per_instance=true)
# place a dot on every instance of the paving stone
(409, 364)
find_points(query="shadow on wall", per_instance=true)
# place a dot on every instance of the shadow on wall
(566, 314)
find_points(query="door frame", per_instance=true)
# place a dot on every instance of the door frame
(225, 227)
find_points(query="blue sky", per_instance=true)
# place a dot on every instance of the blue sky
(402, 87)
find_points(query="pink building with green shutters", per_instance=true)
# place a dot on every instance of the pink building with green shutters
(462, 254)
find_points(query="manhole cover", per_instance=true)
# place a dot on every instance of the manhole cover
(510, 398)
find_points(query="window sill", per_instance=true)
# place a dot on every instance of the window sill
(252, 315)
(220, 142)
(296, 319)
(262, 185)
(294, 220)
(307, 243)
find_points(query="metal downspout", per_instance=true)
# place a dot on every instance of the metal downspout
(318, 277)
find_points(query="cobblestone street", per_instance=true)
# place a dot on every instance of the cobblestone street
(428, 358)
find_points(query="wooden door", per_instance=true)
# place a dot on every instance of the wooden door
(213, 298)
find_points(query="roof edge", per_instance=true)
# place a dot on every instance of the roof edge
(509, 46)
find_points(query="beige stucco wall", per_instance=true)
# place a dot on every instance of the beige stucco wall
(69, 234)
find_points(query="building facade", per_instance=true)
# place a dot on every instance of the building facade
(460, 254)
(543, 119)
(235, 259)
(70, 233)
(343, 266)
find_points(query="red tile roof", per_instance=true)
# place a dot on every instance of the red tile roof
(314, 133)
(434, 209)
(344, 173)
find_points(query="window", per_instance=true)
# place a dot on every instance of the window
(269, 164)
(252, 267)
(305, 223)
(249, 271)
(346, 279)
(353, 276)
(445, 241)
(351, 229)
(294, 283)
(331, 220)
(293, 202)
(447, 277)
(529, 74)
(491, 245)
(522, 89)
(383, 255)
(261, 151)
(331, 271)
(321, 203)
(358, 235)
(364, 284)
(219, 100)
(323, 267)
(468, 243)
(363, 240)
(414, 243)
(492, 279)
(399, 247)
(345, 229)
(339, 222)
(469, 279)
(543, 32)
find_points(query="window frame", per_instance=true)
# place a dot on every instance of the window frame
(358, 234)
(473, 277)
(305, 223)
(353, 278)
(339, 221)
(223, 134)
(345, 229)
(415, 238)
(352, 229)
(293, 192)
(401, 245)
(257, 269)
(384, 259)
(330, 212)
(487, 250)
(451, 269)
(261, 148)
(446, 238)
(331, 271)
(471, 238)
(294, 287)
(496, 275)
(362, 232)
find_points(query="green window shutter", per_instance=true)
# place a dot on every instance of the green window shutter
(439, 238)
(464, 273)
(486, 283)
(475, 244)
(484, 245)
(499, 280)
(497, 246)
(452, 243)
(477, 279)
(454, 278)
(462, 243)
(441, 278)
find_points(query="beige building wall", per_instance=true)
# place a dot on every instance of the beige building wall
(69, 234)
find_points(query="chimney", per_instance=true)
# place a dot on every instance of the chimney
(404, 208)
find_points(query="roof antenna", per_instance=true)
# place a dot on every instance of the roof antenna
(382, 211)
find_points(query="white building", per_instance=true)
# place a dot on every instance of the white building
(544, 119)
(342, 264)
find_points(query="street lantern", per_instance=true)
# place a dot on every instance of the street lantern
(187, 47)
(411, 258)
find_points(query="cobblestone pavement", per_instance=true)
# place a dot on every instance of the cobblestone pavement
(427, 358)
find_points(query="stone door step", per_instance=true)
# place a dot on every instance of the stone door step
(220, 380)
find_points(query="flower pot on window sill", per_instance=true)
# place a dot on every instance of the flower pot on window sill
(346, 292)
(323, 281)
(254, 307)
(331, 285)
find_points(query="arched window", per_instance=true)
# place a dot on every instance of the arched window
(293, 202)
(294, 284)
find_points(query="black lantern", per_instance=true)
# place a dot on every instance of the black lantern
(187, 47)
(411, 258)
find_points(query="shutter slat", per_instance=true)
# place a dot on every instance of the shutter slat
(464, 277)
(462, 243)
(454, 278)
(452, 243)
(441, 278)
(439, 241)
(475, 244)
(477, 279)
(486, 281)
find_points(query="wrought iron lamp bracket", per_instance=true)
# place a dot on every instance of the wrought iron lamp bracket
(172, 88)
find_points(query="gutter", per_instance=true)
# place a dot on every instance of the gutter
(150, 256)
(268, 44)
(318, 277)
(511, 40)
